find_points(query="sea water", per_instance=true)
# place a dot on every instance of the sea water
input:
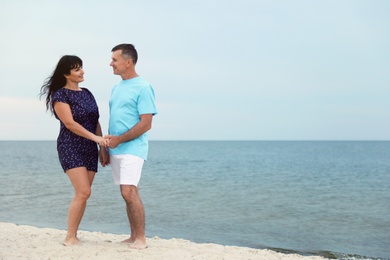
(329, 198)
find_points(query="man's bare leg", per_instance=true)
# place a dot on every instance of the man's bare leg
(136, 216)
(132, 231)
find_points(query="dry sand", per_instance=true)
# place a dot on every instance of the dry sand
(27, 242)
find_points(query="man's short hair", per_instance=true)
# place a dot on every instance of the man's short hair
(128, 51)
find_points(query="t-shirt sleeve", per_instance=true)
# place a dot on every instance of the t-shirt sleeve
(59, 96)
(146, 103)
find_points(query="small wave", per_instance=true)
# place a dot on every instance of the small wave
(327, 254)
(341, 256)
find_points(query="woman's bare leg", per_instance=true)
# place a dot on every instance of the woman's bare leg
(81, 180)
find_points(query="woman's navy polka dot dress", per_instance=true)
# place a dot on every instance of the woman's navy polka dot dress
(74, 150)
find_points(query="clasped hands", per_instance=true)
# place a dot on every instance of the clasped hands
(110, 141)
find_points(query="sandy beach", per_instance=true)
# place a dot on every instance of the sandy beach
(27, 242)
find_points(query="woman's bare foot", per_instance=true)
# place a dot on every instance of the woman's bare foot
(72, 241)
(139, 244)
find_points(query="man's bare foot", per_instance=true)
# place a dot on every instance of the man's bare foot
(71, 241)
(128, 241)
(139, 244)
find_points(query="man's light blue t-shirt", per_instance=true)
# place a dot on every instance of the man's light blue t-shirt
(129, 99)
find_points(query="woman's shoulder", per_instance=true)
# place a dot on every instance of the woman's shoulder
(86, 90)
(60, 95)
(59, 92)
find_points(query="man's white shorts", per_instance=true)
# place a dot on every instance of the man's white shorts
(126, 169)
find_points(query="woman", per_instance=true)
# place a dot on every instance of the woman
(80, 132)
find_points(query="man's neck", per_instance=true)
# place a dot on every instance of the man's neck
(129, 75)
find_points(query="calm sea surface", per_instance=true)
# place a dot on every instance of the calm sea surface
(327, 198)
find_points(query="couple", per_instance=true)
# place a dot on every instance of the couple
(132, 107)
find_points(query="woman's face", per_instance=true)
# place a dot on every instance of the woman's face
(76, 75)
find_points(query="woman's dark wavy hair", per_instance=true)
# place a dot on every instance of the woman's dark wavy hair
(57, 80)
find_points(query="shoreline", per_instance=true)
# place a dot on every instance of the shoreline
(29, 242)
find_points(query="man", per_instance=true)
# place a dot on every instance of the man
(132, 108)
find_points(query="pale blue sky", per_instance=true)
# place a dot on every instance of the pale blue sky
(221, 70)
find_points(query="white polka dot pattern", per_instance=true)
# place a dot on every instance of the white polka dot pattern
(74, 150)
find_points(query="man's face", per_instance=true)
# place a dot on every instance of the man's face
(118, 64)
